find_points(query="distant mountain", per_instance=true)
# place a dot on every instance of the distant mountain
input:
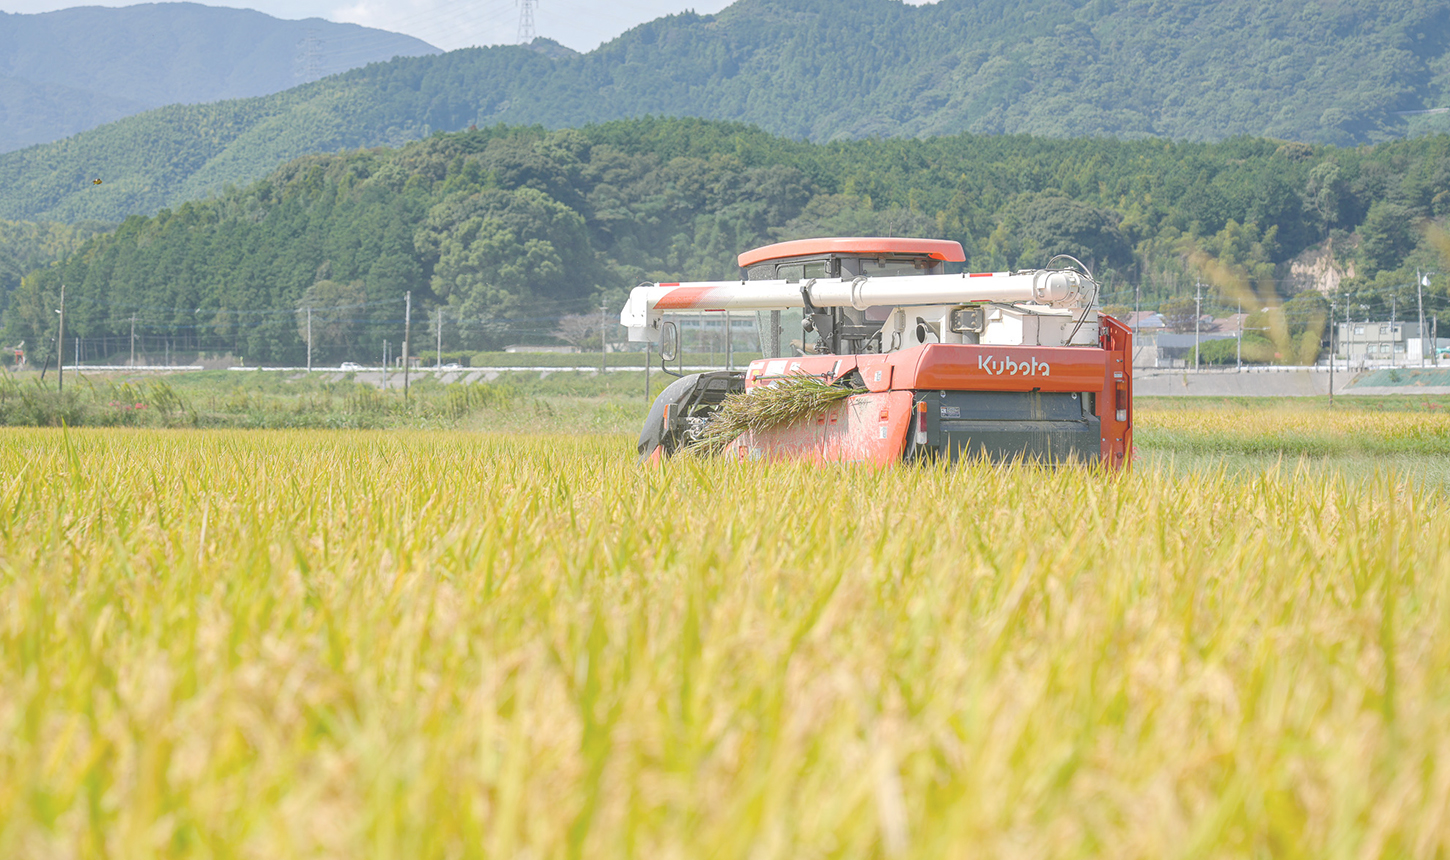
(67, 71)
(1196, 70)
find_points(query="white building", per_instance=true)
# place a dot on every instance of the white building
(1381, 342)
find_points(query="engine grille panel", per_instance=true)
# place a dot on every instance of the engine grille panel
(1011, 425)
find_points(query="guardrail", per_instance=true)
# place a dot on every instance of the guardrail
(393, 371)
(140, 368)
(1355, 366)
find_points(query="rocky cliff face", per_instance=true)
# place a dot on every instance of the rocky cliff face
(1317, 269)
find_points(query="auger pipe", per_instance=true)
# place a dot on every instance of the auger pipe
(648, 302)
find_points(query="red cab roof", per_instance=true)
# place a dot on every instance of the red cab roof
(865, 246)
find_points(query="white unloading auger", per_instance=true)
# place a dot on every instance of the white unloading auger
(647, 303)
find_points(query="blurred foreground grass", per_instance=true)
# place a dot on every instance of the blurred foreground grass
(283, 644)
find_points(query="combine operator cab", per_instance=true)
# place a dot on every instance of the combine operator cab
(1010, 365)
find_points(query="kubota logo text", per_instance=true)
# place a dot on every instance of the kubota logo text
(1008, 367)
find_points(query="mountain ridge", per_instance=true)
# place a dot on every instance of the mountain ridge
(72, 69)
(818, 70)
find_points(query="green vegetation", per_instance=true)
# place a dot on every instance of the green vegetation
(506, 230)
(25, 247)
(406, 644)
(1256, 349)
(811, 69)
(74, 69)
(560, 401)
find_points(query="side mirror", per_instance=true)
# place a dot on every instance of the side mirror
(669, 341)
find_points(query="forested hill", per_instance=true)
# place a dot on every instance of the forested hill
(498, 232)
(821, 70)
(70, 70)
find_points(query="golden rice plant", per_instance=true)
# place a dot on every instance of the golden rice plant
(405, 644)
(1296, 430)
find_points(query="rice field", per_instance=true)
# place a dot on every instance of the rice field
(353, 644)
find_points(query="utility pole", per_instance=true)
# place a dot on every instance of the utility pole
(729, 352)
(1364, 361)
(1137, 308)
(438, 362)
(1421, 281)
(60, 345)
(1331, 353)
(648, 353)
(1392, 329)
(1347, 334)
(1197, 320)
(1239, 350)
(133, 340)
(385, 364)
(602, 312)
(407, 337)
(309, 340)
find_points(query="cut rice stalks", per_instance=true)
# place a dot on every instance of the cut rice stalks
(786, 400)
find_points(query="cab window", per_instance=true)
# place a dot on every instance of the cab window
(878, 267)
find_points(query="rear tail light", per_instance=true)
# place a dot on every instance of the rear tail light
(921, 422)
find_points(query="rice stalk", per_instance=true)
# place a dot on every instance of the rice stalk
(307, 644)
(765, 408)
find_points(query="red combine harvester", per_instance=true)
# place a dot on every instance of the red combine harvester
(1010, 365)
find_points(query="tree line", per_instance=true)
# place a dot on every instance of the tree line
(498, 232)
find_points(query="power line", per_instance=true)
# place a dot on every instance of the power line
(445, 12)
(448, 19)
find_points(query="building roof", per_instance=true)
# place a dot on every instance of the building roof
(1408, 328)
(1231, 323)
(936, 249)
(1145, 319)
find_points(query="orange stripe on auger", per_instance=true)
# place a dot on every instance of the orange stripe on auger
(683, 297)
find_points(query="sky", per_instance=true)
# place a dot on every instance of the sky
(448, 24)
